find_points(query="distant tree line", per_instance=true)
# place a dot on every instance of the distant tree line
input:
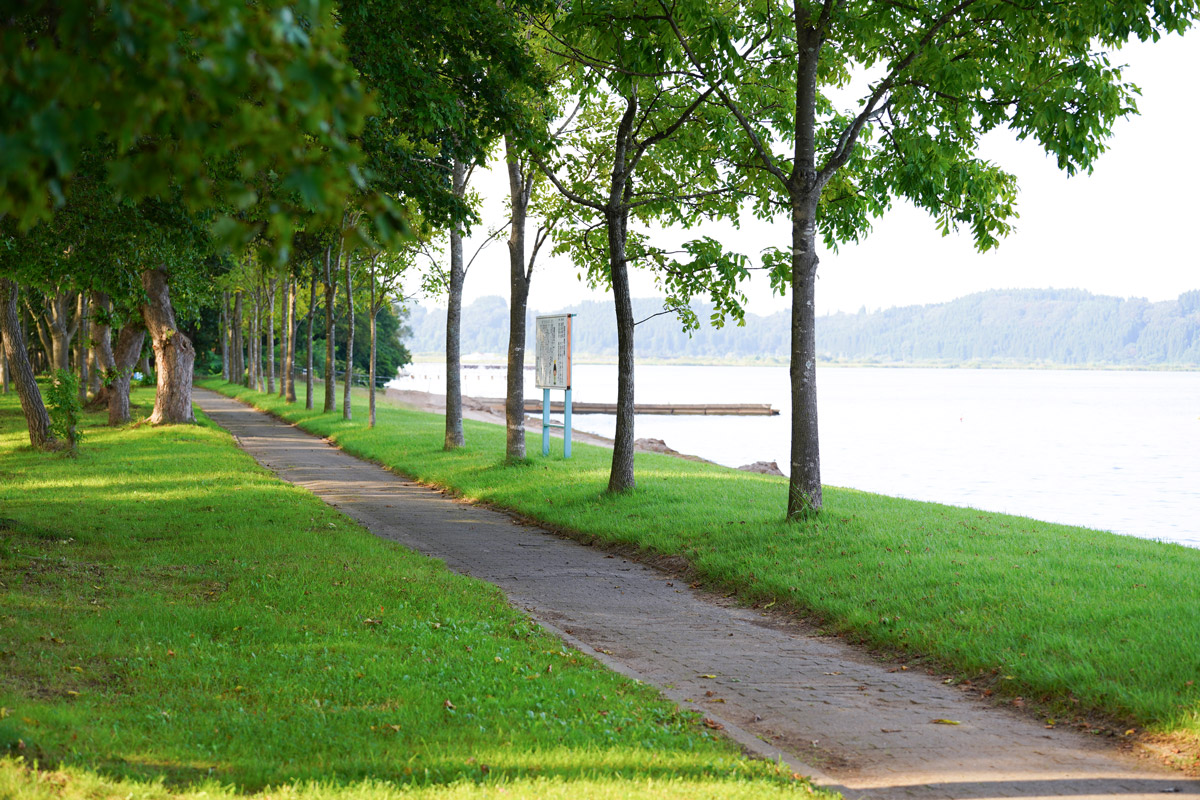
(1068, 327)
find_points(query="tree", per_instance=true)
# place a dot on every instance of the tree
(523, 178)
(448, 77)
(456, 275)
(386, 272)
(36, 417)
(117, 362)
(188, 97)
(330, 296)
(931, 80)
(640, 151)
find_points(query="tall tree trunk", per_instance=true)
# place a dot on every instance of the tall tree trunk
(283, 333)
(308, 367)
(256, 340)
(346, 413)
(374, 309)
(271, 336)
(3, 366)
(240, 374)
(41, 325)
(225, 336)
(289, 370)
(454, 420)
(174, 355)
(83, 345)
(102, 336)
(804, 480)
(620, 477)
(249, 312)
(330, 361)
(519, 186)
(62, 328)
(36, 418)
(122, 359)
(94, 383)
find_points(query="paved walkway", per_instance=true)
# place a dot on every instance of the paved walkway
(854, 724)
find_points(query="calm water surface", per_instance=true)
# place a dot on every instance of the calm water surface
(1116, 451)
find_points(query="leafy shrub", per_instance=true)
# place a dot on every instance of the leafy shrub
(62, 399)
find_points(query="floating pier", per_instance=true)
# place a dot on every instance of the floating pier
(662, 409)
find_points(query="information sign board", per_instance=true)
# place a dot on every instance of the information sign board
(553, 353)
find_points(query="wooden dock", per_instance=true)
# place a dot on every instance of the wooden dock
(663, 409)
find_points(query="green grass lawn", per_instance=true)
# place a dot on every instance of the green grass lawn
(176, 621)
(1074, 621)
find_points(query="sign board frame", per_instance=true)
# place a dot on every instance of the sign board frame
(553, 351)
(552, 370)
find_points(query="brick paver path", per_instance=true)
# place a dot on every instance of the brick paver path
(854, 724)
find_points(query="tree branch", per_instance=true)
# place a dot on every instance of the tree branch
(849, 136)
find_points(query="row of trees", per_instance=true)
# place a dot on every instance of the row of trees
(351, 135)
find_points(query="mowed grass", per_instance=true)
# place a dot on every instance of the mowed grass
(176, 621)
(1077, 622)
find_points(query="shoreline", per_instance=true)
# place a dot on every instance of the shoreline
(493, 360)
(475, 409)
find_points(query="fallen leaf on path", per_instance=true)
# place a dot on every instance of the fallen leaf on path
(945, 722)
(712, 723)
(710, 677)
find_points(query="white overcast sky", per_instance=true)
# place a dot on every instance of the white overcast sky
(1129, 229)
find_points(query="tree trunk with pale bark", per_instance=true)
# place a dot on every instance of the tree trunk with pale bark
(102, 339)
(520, 186)
(346, 412)
(123, 358)
(283, 334)
(330, 363)
(82, 346)
(374, 309)
(289, 371)
(36, 417)
(308, 367)
(94, 379)
(454, 419)
(225, 336)
(240, 373)
(620, 477)
(174, 355)
(271, 336)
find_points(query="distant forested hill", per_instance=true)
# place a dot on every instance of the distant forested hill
(1066, 327)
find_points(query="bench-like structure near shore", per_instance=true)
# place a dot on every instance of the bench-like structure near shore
(662, 409)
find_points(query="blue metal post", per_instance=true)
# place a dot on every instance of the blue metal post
(545, 422)
(567, 426)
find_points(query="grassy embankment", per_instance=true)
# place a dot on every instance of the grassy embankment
(175, 621)
(1076, 622)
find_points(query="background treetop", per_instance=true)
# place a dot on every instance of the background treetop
(196, 99)
(450, 77)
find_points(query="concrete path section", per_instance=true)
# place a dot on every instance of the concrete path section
(856, 725)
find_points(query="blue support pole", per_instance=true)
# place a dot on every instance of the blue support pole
(567, 426)
(545, 422)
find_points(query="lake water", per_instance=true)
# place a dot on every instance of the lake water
(1117, 451)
